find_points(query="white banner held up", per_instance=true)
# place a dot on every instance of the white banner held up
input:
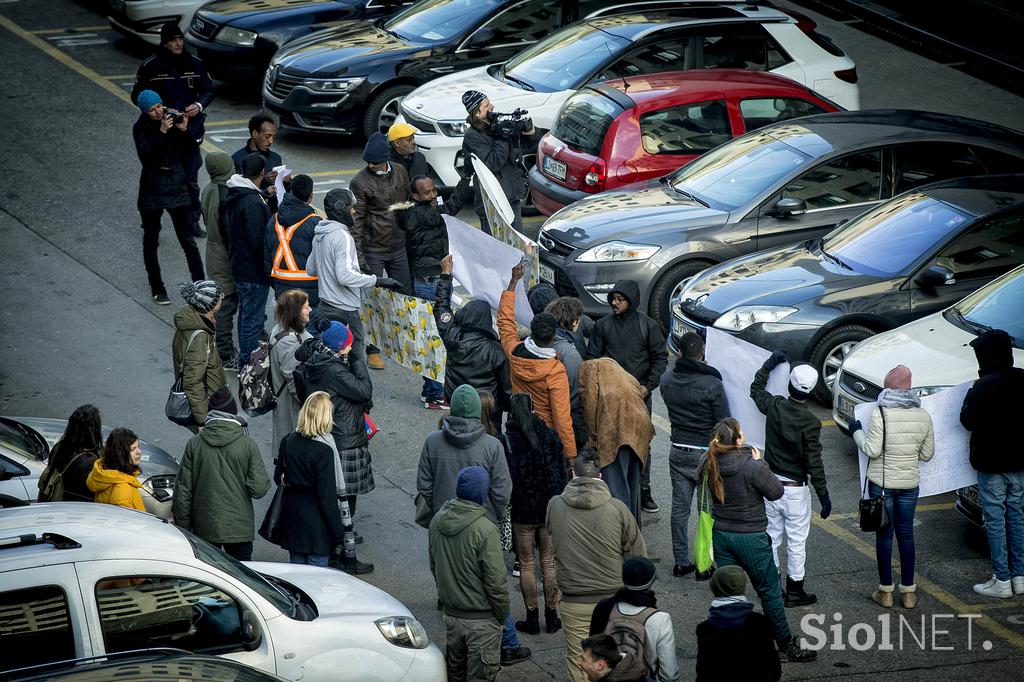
(737, 361)
(950, 468)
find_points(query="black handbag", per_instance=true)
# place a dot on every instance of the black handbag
(272, 528)
(873, 516)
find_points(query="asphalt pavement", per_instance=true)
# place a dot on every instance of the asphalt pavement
(78, 326)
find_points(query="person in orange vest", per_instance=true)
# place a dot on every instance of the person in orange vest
(289, 242)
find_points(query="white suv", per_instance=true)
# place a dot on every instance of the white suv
(80, 579)
(705, 35)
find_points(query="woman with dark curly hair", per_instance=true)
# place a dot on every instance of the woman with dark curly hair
(114, 477)
(74, 454)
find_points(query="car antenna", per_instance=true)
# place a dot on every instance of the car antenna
(625, 84)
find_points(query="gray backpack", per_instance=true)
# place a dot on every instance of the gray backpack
(631, 636)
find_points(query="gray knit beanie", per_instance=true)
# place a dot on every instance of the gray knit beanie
(201, 295)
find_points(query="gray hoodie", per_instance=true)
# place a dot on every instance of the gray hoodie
(333, 261)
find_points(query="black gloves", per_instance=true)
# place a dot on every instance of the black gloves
(777, 358)
(855, 426)
(388, 283)
(826, 506)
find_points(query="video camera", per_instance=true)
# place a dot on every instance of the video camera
(510, 126)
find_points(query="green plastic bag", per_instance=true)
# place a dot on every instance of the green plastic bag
(703, 551)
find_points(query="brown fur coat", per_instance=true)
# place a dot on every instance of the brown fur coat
(614, 407)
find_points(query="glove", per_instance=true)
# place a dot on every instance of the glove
(855, 426)
(777, 358)
(826, 506)
(388, 283)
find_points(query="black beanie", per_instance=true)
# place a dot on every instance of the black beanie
(472, 99)
(638, 574)
(170, 31)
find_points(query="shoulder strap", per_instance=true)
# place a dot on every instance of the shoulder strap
(181, 365)
(881, 412)
(73, 459)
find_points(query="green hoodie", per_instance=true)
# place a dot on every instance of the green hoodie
(220, 167)
(465, 558)
(221, 472)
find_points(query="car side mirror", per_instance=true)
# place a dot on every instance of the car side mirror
(6, 475)
(935, 276)
(481, 38)
(788, 207)
(252, 633)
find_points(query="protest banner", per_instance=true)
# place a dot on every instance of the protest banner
(403, 328)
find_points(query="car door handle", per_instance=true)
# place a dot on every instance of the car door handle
(737, 240)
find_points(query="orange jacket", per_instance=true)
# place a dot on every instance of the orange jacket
(544, 379)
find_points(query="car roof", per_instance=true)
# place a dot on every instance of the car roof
(103, 531)
(980, 196)
(638, 25)
(644, 88)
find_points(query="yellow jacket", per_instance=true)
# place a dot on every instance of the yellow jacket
(115, 487)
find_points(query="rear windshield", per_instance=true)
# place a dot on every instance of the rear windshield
(584, 120)
(566, 59)
(435, 21)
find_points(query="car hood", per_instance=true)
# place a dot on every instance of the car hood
(236, 12)
(441, 98)
(352, 47)
(155, 460)
(639, 213)
(787, 276)
(334, 593)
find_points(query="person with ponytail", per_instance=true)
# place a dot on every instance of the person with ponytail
(739, 482)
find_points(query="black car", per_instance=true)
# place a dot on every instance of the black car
(152, 665)
(351, 78)
(237, 38)
(911, 256)
(772, 187)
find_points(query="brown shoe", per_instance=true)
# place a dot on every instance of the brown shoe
(883, 596)
(375, 361)
(908, 596)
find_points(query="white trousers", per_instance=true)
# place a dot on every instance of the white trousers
(790, 515)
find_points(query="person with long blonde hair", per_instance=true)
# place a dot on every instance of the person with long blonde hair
(738, 482)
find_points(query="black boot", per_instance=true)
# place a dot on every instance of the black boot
(354, 566)
(792, 652)
(531, 625)
(552, 623)
(647, 502)
(795, 595)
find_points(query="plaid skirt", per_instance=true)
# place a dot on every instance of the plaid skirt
(358, 470)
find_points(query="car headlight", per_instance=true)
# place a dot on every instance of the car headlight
(922, 391)
(453, 128)
(617, 252)
(738, 319)
(403, 631)
(332, 84)
(236, 36)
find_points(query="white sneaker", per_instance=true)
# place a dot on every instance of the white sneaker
(995, 588)
(1018, 584)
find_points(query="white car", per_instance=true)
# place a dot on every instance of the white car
(542, 77)
(81, 579)
(142, 19)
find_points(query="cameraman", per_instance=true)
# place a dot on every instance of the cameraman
(500, 148)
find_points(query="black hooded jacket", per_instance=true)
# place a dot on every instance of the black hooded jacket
(246, 212)
(475, 355)
(991, 404)
(348, 385)
(291, 211)
(426, 235)
(162, 183)
(632, 339)
(695, 398)
(180, 80)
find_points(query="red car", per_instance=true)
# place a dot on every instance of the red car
(626, 130)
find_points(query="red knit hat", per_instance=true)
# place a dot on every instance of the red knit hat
(899, 378)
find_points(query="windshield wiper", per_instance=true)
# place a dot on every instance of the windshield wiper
(976, 326)
(835, 259)
(687, 194)
(521, 82)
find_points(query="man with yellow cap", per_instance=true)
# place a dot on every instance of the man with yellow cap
(401, 138)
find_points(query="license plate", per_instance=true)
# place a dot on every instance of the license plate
(970, 494)
(547, 274)
(679, 328)
(555, 169)
(844, 407)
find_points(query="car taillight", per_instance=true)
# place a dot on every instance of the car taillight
(594, 180)
(848, 75)
(803, 22)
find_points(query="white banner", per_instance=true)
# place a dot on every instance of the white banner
(950, 468)
(738, 360)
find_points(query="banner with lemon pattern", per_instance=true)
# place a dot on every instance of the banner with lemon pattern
(403, 328)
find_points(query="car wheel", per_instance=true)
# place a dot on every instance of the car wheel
(661, 295)
(829, 354)
(382, 110)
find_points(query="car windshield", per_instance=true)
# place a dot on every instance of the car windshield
(737, 172)
(206, 552)
(889, 238)
(564, 60)
(584, 120)
(437, 21)
(18, 438)
(995, 306)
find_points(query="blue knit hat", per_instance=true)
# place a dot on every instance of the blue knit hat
(472, 484)
(146, 100)
(335, 335)
(376, 149)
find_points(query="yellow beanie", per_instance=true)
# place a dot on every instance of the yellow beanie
(400, 130)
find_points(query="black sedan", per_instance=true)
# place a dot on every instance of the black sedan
(237, 38)
(909, 257)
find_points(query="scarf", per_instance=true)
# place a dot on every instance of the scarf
(725, 601)
(894, 397)
(540, 352)
(339, 476)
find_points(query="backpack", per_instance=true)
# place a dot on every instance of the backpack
(51, 481)
(629, 633)
(255, 384)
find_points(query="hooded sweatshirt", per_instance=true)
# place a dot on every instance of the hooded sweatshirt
(111, 486)
(291, 211)
(462, 442)
(474, 355)
(333, 261)
(246, 213)
(733, 626)
(593, 533)
(748, 482)
(466, 562)
(218, 265)
(632, 339)
(991, 405)
(896, 447)
(615, 411)
(221, 473)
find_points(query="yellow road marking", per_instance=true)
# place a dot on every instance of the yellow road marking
(342, 171)
(70, 31)
(230, 122)
(661, 423)
(936, 506)
(130, 76)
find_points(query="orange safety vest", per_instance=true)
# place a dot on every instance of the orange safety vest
(290, 271)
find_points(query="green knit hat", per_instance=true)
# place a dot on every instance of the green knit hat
(465, 402)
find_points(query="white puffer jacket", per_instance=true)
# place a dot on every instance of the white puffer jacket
(909, 440)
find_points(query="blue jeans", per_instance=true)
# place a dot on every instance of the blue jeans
(509, 638)
(308, 559)
(252, 316)
(623, 478)
(899, 505)
(432, 390)
(1002, 501)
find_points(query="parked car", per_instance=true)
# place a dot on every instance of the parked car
(25, 444)
(81, 579)
(152, 665)
(781, 184)
(906, 258)
(142, 19)
(937, 350)
(351, 78)
(237, 38)
(602, 48)
(622, 131)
